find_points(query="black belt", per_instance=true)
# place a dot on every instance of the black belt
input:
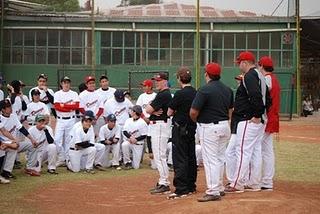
(73, 149)
(155, 121)
(65, 118)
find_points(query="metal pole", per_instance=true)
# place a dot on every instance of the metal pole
(198, 46)
(93, 41)
(298, 57)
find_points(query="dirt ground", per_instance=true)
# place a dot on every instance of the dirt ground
(131, 195)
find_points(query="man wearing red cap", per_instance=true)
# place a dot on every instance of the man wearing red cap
(144, 100)
(210, 109)
(266, 68)
(248, 124)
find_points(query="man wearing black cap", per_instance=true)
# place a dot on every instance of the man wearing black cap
(119, 105)
(11, 123)
(46, 94)
(35, 107)
(210, 109)
(160, 131)
(183, 136)
(135, 130)
(66, 102)
(82, 140)
(16, 98)
(109, 135)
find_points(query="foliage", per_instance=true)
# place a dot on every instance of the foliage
(60, 5)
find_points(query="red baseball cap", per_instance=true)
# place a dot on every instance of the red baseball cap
(213, 68)
(266, 61)
(245, 56)
(160, 76)
(147, 82)
(89, 78)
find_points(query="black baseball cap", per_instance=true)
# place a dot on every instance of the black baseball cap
(103, 77)
(160, 76)
(35, 92)
(119, 95)
(65, 78)
(88, 115)
(43, 76)
(111, 118)
(4, 104)
(137, 109)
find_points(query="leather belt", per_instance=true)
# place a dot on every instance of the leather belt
(65, 118)
(157, 121)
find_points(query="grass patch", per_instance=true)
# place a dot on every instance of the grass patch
(298, 162)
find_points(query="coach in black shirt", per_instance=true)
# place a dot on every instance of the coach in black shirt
(210, 109)
(160, 131)
(183, 136)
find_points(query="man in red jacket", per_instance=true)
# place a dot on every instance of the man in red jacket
(266, 68)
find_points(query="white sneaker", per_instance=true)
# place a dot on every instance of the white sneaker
(4, 181)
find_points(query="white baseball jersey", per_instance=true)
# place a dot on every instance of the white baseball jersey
(34, 109)
(106, 94)
(77, 134)
(11, 124)
(43, 96)
(135, 128)
(64, 97)
(106, 133)
(17, 107)
(90, 100)
(26, 99)
(121, 110)
(1, 95)
(144, 100)
(39, 135)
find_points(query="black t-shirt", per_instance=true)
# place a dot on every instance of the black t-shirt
(161, 101)
(213, 102)
(181, 103)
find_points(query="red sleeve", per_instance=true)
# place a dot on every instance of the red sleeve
(99, 112)
(82, 110)
(72, 107)
(58, 107)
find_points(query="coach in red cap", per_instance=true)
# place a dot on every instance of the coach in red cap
(210, 109)
(265, 66)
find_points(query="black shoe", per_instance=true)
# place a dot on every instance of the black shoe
(17, 165)
(207, 198)
(116, 167)
(128, 166)
(99, 167)
(162, 189)
(175, 196)
(222, 193)
(7, 175)
(266, 189)
(156, 187)
(52, 171)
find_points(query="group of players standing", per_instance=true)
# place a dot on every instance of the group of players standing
(96, 122)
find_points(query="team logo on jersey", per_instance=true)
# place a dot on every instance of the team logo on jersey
(117, 113)
(134, 132)
(36, 112)
(13, 128)
(18, 112)
(69, 101)
(91, 104)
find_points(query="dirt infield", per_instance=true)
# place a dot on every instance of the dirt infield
(130, 195)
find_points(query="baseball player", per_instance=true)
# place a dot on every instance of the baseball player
(105, 93)
(18, 104)
(160, 131)
(46, 94)
(119, 106)
(266, 68)
(66, 102)
(11, 123)
(143, 100)
(248, 124)
(82, 144)
(210, 109)
(46, 149)
(135, 130)
(35, 108)
(109, 135)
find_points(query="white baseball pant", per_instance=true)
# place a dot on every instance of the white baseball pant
(46, 153)
(169, 153)
(100, 154)
(114, 149)
(160, 133)
(62, 136)
(136, 149)
(268, 161)
(248, 150)
(74, 163)
(213, 139)
(231, 160)
(199, 154)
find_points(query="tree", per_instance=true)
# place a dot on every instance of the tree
(139, 2)
(60, 5)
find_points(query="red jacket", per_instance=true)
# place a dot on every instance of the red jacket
(273, 113)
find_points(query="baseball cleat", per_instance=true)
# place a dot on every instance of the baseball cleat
(230, 189)
(175, 196)
(162, 189)
(32, 172)
(99, 167)
(52, 171)
(89, 171)
(222, 193)
(4, 181)
(251, 189)
(266, 189)
(7, 175)
(156, 186)
(207, 198)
